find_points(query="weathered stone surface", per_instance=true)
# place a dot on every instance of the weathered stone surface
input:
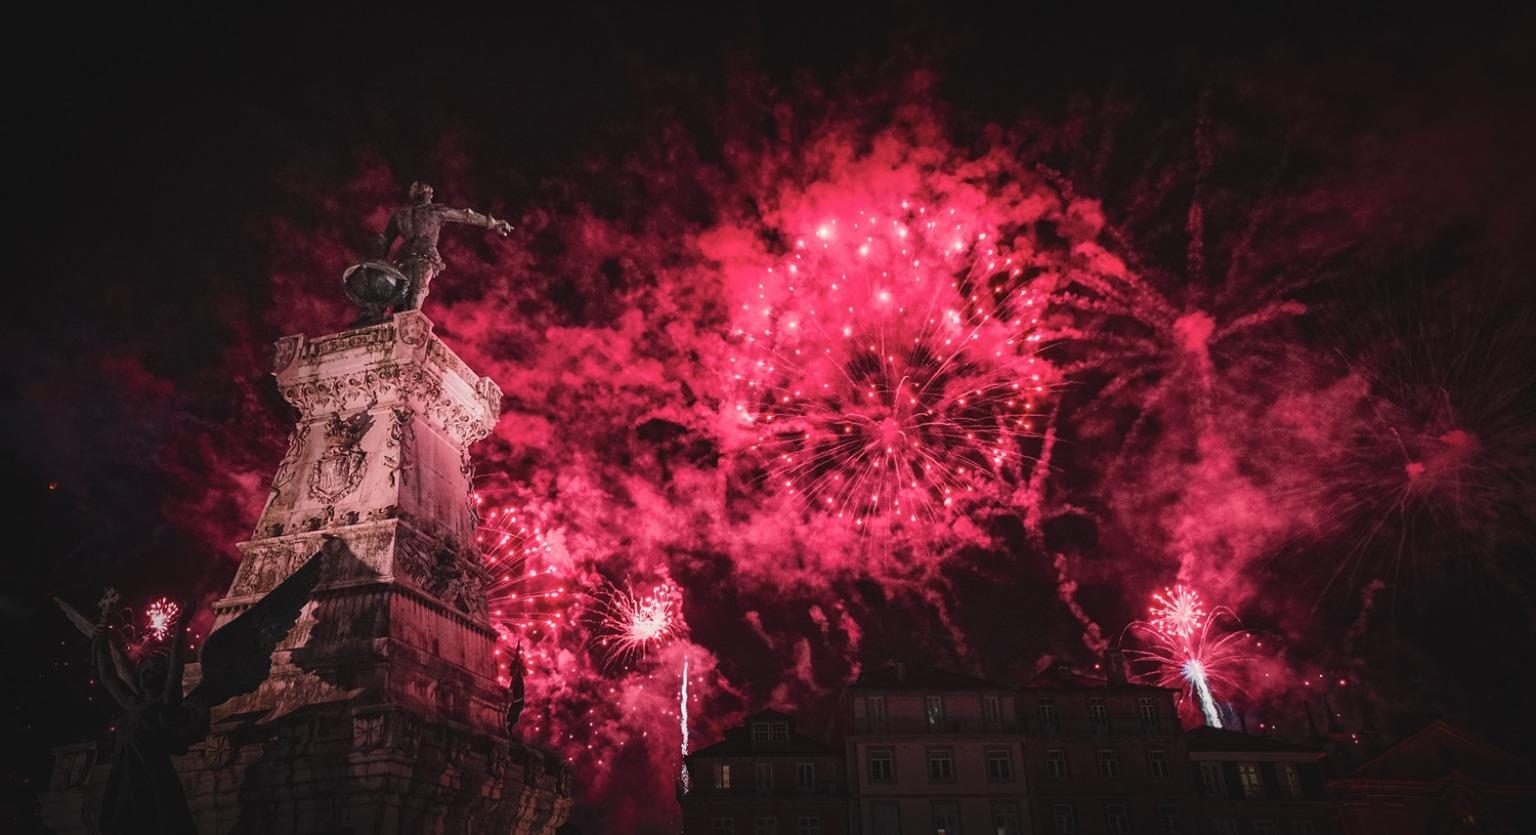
(382, 713)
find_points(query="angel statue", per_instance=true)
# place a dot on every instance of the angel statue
(377, 284)
(143, 792)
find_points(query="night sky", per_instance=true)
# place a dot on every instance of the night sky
(1284, 272)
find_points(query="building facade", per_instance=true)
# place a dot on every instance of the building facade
(1257, 785)
(1104, 755)
(765, 778)
(930, 751)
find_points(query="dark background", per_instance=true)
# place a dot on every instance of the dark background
(151, 150)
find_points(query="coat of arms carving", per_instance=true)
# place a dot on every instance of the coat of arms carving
(340, 468)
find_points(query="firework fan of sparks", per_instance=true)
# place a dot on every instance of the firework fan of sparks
(1177, 611)
(889, 365)
(160, 618)
(1197, 663)
(525, 597)
(632, 624)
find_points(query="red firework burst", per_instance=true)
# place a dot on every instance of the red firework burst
(1198, 663)
(632, 624)
(160, 618)
(889, 365)
(525, 597)
(1177, 611)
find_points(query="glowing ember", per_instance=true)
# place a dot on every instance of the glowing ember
(160, 618)
(888, 364)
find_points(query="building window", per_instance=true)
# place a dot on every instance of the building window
(805, 776)
(941, 765)
(1168, 819)
(1146, 711)
(1248, 773)
(1225, 826)
(946, 819)
(808, 826)
(1098, 713)
(1117, 821)
(1211, 780)
(1046, 711)
(999, 765)
(887, 818)
(1065, 819)
(1302, 827)
(1264, 826)
(1109, 763)
(1290, 779)
(722, 776)
(722, 826)
(764, 781)
(992, 711)
(1006, 819)
(759, 731)
(778, 732)
(874, 708)
(765, 826)
(1056, 763)
(882, 766)
(933, 706)
(1157, 762)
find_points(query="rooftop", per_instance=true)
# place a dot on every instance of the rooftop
(907, 676)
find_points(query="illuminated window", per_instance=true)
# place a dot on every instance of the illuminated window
(722, 776)
(1157, 762)
(999, 765)
(941, 765)
(805, 775)
(1056, 763)
(1248, 774)
(1109, 763)
(933, 706)
(882, 766)
(1117, 821)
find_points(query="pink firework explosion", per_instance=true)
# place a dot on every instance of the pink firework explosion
(1197, 663)
(632, 624)
(889, 364)
(1177, 611)
(526, 599)
(160, 618)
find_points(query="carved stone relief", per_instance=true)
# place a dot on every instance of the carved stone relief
(341, 466)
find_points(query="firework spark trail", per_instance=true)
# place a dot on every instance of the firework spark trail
(160, 618)
(888, 365)
(682, 721)
(526, 601)
(1196, 662)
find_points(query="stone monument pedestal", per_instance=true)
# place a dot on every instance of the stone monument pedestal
(382, 712)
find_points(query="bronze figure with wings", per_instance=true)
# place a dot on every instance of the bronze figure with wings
(143, 792)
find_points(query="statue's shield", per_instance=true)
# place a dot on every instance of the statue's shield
(337, 473)
(374, 283)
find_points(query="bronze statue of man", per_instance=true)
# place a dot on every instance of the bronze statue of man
(416, 261)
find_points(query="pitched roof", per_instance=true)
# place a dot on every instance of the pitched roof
(1440, 749)
(904, 676)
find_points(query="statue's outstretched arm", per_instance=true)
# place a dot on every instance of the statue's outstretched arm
(475, 218)
(106, 671)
